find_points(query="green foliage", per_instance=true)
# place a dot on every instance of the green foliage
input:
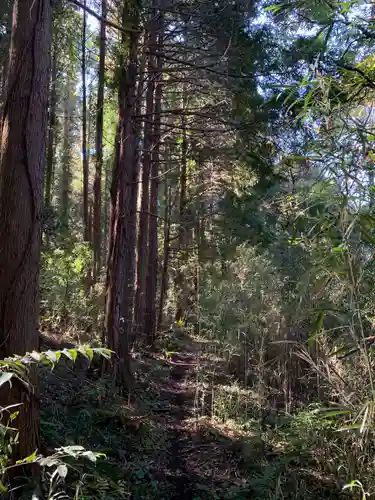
(54, 467)
(67, 300)
(242, 304)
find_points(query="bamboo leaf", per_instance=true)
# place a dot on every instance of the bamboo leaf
(5, 377)
(62, 470)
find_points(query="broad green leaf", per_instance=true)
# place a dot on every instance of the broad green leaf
(106, 353)
(5, 377)
(36, 356)
(62, 470)
(28, 460)
(48, 462)
(90, 455)
(51, 356)
(68, 354)
(73, 352)
(71, 450)
(89, 352)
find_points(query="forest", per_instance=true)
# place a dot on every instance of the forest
(187, 249)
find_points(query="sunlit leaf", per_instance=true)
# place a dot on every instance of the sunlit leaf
(5, 377)
(62, 470)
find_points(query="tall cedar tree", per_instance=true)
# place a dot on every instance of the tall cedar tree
(99, 146)
(23, 142)
(183, 233)
(152, 265)
(121, 253)
(85, 161)
(146, 170)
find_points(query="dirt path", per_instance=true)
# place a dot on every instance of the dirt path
(156, 444)
(180, 402)
(177, 437)
(201, 462)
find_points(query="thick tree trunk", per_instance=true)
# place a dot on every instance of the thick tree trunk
(51, 135)
(121, 251)
(21, 201)
(130, 210)
(146, 168)
(4, 66)
(99, 148)
(140, 104)
(152, 264)
(85, 161)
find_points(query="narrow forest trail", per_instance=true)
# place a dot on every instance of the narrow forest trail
(199, 464)
(188, 431)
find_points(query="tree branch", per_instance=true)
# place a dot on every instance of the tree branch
(359, 71)
(103, 20)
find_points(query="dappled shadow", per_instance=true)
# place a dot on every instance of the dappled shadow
(167, 441)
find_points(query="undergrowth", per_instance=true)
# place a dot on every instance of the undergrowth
(191, 432)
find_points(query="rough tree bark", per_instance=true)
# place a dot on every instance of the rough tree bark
(130, 210)
(146, 168)
(152, 264)
(5, 39)
(99, 146)
(120, 251)
(21, 201)
(85, 161)
(134, 165)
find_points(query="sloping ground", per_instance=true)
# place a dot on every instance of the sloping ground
(177, 437)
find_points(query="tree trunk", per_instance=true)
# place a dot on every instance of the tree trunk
(120, 249)
(107, 185)
(85, 162)
(130, 211)
(146, 167)
(140, 104)
(4, 71)
(166, 253)
(199, 244)
(152, 265)
(99, 147)
(21, 202)
(183, 234)
(51, 134)
(66, 159)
